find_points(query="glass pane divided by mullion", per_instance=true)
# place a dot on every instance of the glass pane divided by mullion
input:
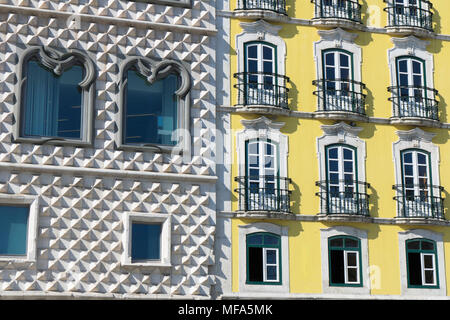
(13, 230)
(145, 241)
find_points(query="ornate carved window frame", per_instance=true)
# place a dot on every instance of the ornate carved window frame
(154, 70)
(58, 62)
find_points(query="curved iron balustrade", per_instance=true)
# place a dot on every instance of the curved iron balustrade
(415, 102)
(278, 6)
(407, 16)
(429, 203)
(340, 95)
(263, 193)
(339, 9)
(353, 200)
(261, 88)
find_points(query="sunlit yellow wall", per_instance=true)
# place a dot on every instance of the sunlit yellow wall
(303, 167)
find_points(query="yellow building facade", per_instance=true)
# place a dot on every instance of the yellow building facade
(336, 149)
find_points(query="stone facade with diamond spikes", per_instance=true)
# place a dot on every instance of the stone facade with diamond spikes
(84, 193)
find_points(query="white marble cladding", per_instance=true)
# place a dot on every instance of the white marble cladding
(84, 192)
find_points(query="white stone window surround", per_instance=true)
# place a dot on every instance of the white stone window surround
(341, 40)
(325, 234)
(58, 61)
(438, 239)
(416, 139)
(33, 204)
(156, 70)
(341, 133)
(260, 31)
(263, 129)
(412, 47)
(165, 221)
(282, 231)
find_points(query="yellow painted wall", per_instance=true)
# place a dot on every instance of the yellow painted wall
(303, 167)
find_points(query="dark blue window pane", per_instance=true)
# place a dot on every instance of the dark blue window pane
(252, 66)
(145, 241)
(407, 157)
(417, 67)
(403, 66)
(267, 53)
(333, 165)
(271, 240)
(150, 110)
(52, 104)
(13, 230)
(421, 158)
(256, 239)
(408, 170)
(344, 59)
(329, 59)
(333, 153)
(252, 52)
(348, 154)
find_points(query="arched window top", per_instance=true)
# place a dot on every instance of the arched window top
(420, 244)
(344, 242)
(153, 71)
(264, 239)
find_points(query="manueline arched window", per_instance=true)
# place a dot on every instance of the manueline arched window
(422, 263)
(56, 101)
(155, 105)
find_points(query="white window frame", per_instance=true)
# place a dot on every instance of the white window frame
(347, 267)
(150, 218)
(415, 139)
(341, 133)
(425, 293)
(261, 31)
(265, 265)
(424, 269)
(412, 47)
(263, 129)
(337, 39)
(32, 226)
(362, 235)
(266, 288)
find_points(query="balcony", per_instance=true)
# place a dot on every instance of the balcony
(414, 105)
(260, 92)
(343, 200)
(409, 19)
(262, 9)
(416, 203)
(340, 99)
(263, 194)
(337, 13)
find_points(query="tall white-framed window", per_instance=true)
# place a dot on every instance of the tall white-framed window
(416, 159)
(261, 53)
(262, 175)
(262, 179)
(412, 88)
(342, 184)
(338, 72)
(260, 72)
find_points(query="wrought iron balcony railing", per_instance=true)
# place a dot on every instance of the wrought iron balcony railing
(262, 89)
(414, 102)
(337, 9)
(419, 201)
(340, 95)
(278, 6)
(419, 16)
(346, 197)
(263, 193)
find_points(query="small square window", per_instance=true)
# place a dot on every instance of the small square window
(147, 240)
(13, 230)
